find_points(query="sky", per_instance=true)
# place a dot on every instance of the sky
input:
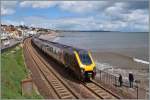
(108, 15)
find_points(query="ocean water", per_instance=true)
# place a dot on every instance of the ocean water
(125, 43)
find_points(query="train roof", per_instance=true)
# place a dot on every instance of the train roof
(70, 48)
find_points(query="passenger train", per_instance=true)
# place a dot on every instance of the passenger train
(78, 60)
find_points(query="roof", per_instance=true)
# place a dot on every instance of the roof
(66, 47)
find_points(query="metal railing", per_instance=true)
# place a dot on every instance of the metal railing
(112, 80)
(106, 77)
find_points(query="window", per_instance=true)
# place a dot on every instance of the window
(85, 59)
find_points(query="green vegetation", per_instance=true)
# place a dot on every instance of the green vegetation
(12, 72)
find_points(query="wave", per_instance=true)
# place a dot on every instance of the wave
(141, 61)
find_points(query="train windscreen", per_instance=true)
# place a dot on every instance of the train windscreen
(85, 59)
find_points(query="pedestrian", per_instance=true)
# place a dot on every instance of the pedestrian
(131, 79)
(120, 80)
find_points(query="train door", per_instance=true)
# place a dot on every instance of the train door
(61, 56)
(66, 59)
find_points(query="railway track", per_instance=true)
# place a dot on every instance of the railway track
(100, 91)
(60, 88)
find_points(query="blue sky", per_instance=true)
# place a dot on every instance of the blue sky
(78, 15)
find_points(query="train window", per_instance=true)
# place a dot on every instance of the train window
(85, 59)
(66, 58)
(50, 49)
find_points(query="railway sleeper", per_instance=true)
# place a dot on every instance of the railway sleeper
(103, 94)
(67, 97)
(95, 88)
(56, 83)
(64, 93)
(90, 84)
(61, 89)
(57, 86)
(99, 91)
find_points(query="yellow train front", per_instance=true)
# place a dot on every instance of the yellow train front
(80, 62)
(86, 64)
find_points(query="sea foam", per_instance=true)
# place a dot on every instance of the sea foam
(141, 61)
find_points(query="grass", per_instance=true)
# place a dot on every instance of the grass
(13, 71)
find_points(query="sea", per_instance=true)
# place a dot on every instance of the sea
(132, 44)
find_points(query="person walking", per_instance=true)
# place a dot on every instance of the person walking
(120, 80)
(131, 79)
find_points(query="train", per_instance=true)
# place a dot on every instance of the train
(78, 60)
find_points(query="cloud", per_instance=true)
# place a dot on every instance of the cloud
(91, 15)
(71, 6)
(82, 6)
(61, 23)
(10, 22)
(7, 7)
(128, 16)
(88, 23)
(7, 11)
(143, 4)
(116, 9)
(37, 4)
(85, 6)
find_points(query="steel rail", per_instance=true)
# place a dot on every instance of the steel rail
(100, 91)
(58, 85)
(26, 51)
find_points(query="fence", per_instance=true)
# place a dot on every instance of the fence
(107, 78)
(112, 80)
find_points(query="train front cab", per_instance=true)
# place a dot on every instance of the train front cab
(87, 65)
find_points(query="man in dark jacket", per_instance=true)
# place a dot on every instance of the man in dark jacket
(131, 79)
(120, 80)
